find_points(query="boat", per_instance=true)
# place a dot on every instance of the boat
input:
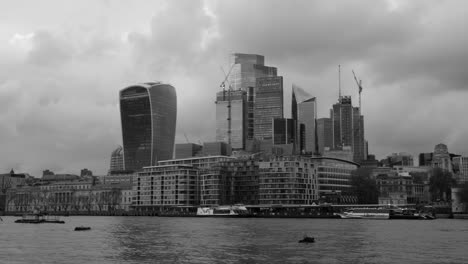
(82, 228)
(38, 218)
(307, 239)
(30, 219)
(365, 213)
(409, 214)
(223, 211)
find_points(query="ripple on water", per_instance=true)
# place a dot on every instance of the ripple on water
(213, 240)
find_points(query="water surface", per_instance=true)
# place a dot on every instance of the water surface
(228, 240)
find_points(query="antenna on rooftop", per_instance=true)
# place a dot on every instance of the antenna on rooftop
(339, 82)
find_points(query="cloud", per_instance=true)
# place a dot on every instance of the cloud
(61, 70)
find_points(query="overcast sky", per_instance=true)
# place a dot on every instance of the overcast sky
(62, 64)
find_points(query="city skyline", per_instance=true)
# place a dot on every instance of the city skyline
(61, 70)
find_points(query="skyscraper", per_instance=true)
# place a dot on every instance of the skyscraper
(324, 134)
(348, 127)
(148, 114)
(304, 111)
(238, 118)
(245, 71)
(242, 79)
(268, 105)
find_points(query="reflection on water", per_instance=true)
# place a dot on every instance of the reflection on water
(227, 240)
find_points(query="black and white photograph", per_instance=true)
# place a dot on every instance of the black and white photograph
(233, 131)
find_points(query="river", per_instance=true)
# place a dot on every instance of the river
(228, 240)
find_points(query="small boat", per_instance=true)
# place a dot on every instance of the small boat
(307, 239)
(365, 213)
(82, 228)
(223, 211)
(38, 218)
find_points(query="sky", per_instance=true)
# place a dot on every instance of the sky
(63, 62)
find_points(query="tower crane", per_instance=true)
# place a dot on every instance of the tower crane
(223, 86)
(359, 84)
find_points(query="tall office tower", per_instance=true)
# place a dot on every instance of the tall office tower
(304, 111)
(348, 127)
(148, 114)
(116, 162)
(284, 131)
(359, 144)
(324, 134)
(245, 71)
(268, 105)
(238, 118)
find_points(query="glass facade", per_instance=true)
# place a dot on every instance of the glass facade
(284, 131)
(324, 134)
(268, 105)
(148, 115)
(348, 128)
(245, 71)
(334, 177)
(238, 118)
(303, 110)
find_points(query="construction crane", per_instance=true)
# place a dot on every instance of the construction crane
(223, 86)
(359, 84)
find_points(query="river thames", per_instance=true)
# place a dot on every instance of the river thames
(228, 240)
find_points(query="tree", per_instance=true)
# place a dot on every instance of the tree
(440, 184)
(364, 186)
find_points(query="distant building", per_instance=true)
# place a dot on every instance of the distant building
(304, 111)
(324, 134)
(425, 159)
(401, 159)
(400, 189)
(117, 160)
(370, 162)
(216, 149)
(187, 150)
(238, 124)
(348, 127)
(460, 165)
(345, 153)
(60, 177)
(334, 179)
(284, 137)
(268, 105)
(148, 114)
(441, 158)
(47, 172)
(287, 180)
(86, 172)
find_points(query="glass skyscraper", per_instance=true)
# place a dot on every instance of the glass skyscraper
(348, 128)
(304, 112)
(148, 114)
(238, 118)
(245, 71)
(268, 105)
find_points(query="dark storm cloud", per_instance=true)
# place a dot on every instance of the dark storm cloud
(59, 85)
(318, 33)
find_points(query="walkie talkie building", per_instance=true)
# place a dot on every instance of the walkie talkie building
(148, 114)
